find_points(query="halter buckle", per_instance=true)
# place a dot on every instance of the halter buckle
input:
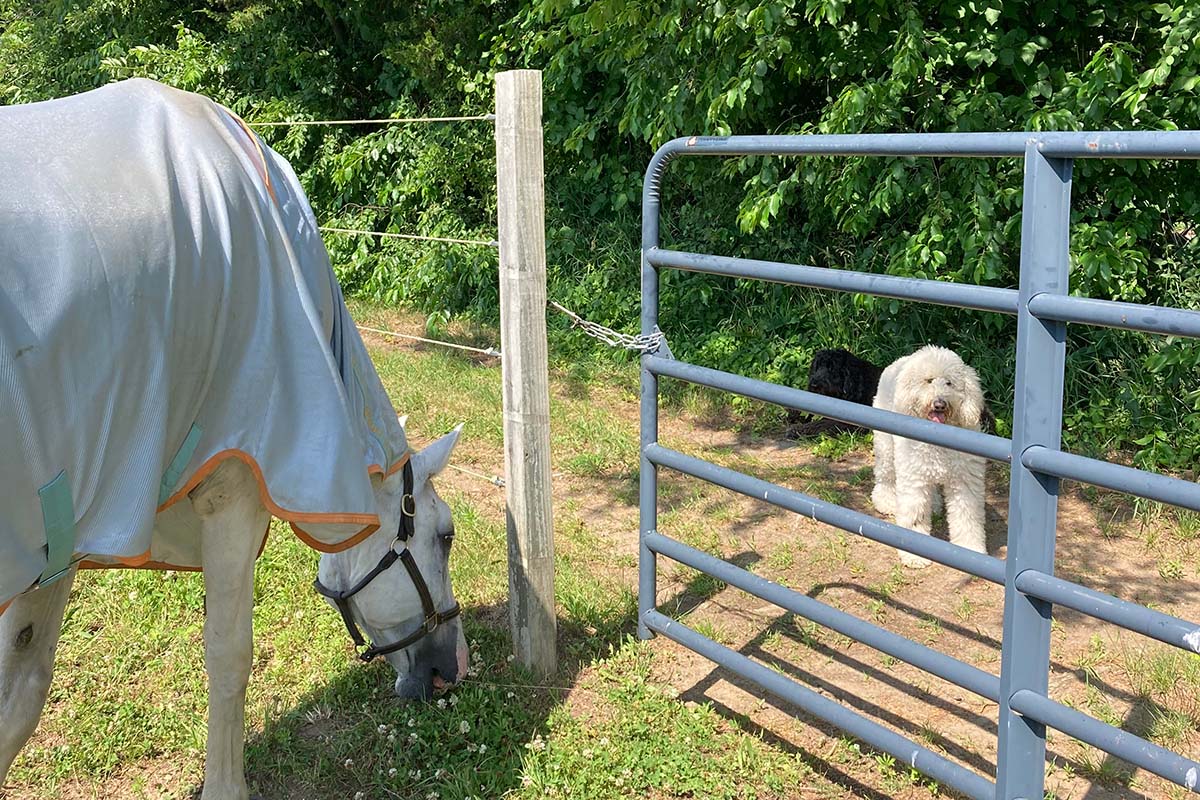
(408, 506)
(432, 622)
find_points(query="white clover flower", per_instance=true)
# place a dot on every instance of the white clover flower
(510, 695)
(412, 737)
(472, 747)
(392, 772)
(411, 722)
(603, 741)
(482, 749)
(382, 729)
(526, 780)
(358, 796)
(511, 657)
(439, 774)
(441, 703)
(349, 762)
(453, 700)
(464, 727)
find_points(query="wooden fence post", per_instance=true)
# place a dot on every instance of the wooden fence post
(522, 230)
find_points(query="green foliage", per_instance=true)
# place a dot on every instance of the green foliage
(621, 78)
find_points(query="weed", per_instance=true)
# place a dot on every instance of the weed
(834, 447)
(1171, 569)
(932, 626)
(1095, 655)
(965, 608)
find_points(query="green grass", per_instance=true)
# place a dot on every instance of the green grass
(637, 740)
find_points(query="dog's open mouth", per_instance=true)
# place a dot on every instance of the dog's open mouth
(937, 416)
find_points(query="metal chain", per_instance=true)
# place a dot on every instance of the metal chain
(642, 343)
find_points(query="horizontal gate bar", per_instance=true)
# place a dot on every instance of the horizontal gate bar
(907, 751)
(1112, 314)
(951, 555)
(1134, 749)
(1060, 144)
(943, 666)
(961, 439)
(962, 295)
(1131, 616)
(1113, 476)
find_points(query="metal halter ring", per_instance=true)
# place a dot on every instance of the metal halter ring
(408, 506)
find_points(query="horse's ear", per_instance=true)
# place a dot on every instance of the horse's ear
(433, 459)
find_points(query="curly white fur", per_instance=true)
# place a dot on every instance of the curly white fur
(935, 384)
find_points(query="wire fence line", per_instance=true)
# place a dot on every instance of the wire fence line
(409, 236)
(489, 351)
(384, 121)
(495, 480)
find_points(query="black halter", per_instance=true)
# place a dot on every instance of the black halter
(433, 617)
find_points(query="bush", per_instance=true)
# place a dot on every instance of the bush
(621, 78)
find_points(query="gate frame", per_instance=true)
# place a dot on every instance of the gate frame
(1043, 308)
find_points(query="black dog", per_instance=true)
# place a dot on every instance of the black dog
(841, 374)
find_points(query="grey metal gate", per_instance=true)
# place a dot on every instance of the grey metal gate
(1043, 308)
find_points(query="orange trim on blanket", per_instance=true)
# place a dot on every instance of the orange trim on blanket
(266, 175)
(370, 522)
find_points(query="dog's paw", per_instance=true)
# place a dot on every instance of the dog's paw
(914, 561)
(884, 499)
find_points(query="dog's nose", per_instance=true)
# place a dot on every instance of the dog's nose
(940, 405)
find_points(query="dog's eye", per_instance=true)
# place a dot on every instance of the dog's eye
(929, 380)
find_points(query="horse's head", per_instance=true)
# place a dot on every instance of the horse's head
(407, 608)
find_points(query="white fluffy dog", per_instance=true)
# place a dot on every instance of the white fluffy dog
(934, 384)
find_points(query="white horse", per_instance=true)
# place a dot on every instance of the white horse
(177, 366)
(233, 519)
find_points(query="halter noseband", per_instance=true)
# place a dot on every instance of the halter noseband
(433, 617)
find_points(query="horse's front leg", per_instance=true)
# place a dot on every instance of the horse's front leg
(233, 523)
(29, 631)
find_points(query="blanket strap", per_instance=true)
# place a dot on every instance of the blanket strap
(58, 518)
(170, 478)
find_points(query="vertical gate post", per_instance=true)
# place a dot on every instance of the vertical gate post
(648, 412)
(1033, 498)
(520, 195)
